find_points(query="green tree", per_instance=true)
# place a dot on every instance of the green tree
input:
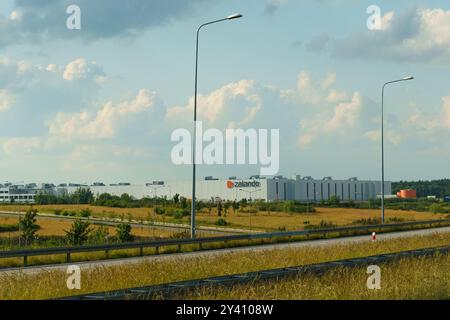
(176, 198)
(219, 209)
(28, 226)
(78, 233)
(124, 233)
(183, 203)
(226, 206)
(235, 206)
(82, 196)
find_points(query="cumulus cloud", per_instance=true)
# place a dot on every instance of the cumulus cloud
(419, 35)
(233, 104)
(32, 21)
(105, 123)
(80, 69)
(315, 92)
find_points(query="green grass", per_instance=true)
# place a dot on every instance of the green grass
(9, 227)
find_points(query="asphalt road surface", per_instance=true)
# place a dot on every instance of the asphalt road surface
(218, 252)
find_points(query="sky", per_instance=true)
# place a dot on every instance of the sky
(100, 103)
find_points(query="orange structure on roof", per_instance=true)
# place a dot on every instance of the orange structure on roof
(407, 194)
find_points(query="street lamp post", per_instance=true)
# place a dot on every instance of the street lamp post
(382, 141)
(232, 17)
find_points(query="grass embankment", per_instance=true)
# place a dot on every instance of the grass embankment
(127, 253)
(51, 284)
(261, 220)
(425, 278)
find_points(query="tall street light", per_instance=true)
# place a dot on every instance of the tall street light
(232, 17)
(382, 141)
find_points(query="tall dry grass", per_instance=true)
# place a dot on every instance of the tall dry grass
(407, 279)
(52, 284)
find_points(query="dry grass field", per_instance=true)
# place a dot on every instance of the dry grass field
(52, 284)
(268, 221)
(56, 227)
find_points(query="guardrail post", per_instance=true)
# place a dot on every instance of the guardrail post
(107, 254)
(200, 247)
(156, 250)
(141, 251)
(68, 258)
(25, 261)
(179, 248)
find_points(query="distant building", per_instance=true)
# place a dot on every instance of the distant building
(277, 188)
(407, 194)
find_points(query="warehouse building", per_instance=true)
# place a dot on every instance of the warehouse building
(304, 189)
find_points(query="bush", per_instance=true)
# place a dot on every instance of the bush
(9, 227)
(85, 213)
(160, 211)
(178, 215)
(322, 225)
(124, 233)
(78, 233)
(221, 222)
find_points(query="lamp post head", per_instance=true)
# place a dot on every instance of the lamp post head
(408, 78)
(234, 16)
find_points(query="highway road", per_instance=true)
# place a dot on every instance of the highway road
(218, 252)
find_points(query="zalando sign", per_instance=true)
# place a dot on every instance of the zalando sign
(243, 184)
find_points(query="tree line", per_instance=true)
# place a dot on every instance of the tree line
(438, 188)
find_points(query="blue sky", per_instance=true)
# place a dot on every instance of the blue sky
(100, 103)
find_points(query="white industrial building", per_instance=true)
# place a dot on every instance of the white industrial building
(304, 189)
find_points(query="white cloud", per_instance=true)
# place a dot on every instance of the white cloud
(315, 92)
(82, 69)
(103, 124)
(23, 146)
(237, 102)
(418, 35)
(345, 114)
(6, 100)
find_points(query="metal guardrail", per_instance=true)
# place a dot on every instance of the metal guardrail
(170, 289)
(68, 251)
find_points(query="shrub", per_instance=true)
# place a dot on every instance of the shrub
(160, 211)
(85, 213)
(322, 225)
(28, 225)
(78, 233)
(221, 222)
(178, 215)
(124, 233)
